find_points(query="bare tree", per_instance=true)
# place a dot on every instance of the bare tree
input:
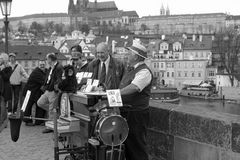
(227, 46)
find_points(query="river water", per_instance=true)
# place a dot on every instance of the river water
(213, 105)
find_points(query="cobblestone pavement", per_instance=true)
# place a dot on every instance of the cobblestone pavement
(31, 145)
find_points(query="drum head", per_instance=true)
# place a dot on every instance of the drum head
(113, 130)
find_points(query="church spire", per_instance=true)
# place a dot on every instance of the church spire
(162, 10)
(167, 11)
(71, 7)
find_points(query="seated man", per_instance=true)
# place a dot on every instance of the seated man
(135, 89)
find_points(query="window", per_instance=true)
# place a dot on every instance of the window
(199, 74)
(154, 65)
(185, 74)
(162, 74)
(196, 55)
(172, 74)
(172, 65)
(157, 74)
(161, 65)
(192, 74)
(211, 73)
(179, 74)
(157, 65)
(167, 74)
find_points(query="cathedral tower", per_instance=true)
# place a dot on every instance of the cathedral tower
(162, 11)
(167, 11)
(71, 7)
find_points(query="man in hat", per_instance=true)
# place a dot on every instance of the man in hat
(105, 68)
(18, 76)
(135, 89)
(79, 61)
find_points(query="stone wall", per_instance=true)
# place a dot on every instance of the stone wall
(192, 133)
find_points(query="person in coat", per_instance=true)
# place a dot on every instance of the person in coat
(5, 91)
(35, 82)
(108, 70)
(49, 99)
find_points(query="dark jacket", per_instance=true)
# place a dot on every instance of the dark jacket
(34, 83)
(56, 77)
(6, 87)
(114, 75)
(69, 82)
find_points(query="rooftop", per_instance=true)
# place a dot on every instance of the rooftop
(102, 5)
(205, 44)
(70, 43)
(32, 52)
(121, 41)
(130, 13)
(106, 14)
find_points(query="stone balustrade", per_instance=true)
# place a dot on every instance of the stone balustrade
(192, 133)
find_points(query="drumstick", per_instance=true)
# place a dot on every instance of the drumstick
(112, 147)
(120, 149)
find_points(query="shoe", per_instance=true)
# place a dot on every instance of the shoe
(47, 131)
(29, 124)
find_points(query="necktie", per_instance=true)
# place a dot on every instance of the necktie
(103, 74)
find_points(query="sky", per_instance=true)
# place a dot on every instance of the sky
(143, 7)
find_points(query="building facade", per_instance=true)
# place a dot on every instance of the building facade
(185, 23)
(190, 72)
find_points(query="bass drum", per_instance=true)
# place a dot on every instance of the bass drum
(112, 130)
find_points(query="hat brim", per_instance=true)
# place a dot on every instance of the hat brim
(136, 52)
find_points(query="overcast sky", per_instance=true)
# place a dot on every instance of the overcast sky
(143, 7)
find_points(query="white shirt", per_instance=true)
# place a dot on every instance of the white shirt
(142, 78)
(50, 73)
